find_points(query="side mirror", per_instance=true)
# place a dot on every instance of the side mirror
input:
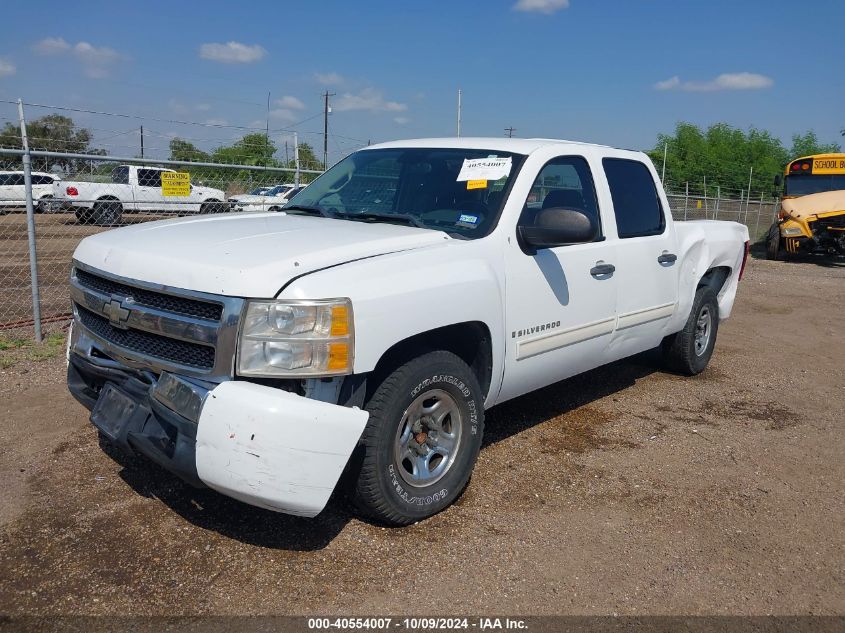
(558, 226)
(778, 180)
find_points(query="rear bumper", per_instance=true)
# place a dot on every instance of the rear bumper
(263, 446)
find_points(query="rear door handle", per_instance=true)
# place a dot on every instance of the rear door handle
(667, 258)
(600, 270)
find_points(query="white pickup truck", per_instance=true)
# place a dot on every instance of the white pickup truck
(360, 334)
(132, 188)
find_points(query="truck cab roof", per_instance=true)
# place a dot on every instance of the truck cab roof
(515, 145)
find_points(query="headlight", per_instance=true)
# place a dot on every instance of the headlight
(297, 338)
(792, 231)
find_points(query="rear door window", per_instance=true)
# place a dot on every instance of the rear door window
(149, 177)
(636, 203)
(120, 175)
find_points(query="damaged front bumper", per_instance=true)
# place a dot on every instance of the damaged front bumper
(261, 445)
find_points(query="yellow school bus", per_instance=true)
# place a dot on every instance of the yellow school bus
(812, 215)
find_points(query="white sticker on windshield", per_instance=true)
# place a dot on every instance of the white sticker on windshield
(484, 169)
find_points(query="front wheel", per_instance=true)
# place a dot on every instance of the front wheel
(214, 206)
(421, 441)
(774, 249)
(688, 351)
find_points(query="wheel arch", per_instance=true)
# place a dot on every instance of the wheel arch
(715, 278)
(470, 341)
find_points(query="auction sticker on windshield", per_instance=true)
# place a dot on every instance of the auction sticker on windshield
(484, 169)
(175, 183)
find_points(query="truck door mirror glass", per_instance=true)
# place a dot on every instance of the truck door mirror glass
(778, 180)
(558, 226)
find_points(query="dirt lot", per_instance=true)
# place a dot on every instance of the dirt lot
(626, 491)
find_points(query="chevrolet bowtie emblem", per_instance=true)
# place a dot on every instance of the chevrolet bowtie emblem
(117, 314)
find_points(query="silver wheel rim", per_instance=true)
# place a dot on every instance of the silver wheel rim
(703, 328)
(428, 438)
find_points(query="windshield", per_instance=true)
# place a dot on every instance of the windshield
(275, 191)
(805, 184)
(459, 191)
(258, 191)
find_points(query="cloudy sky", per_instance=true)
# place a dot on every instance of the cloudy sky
(607, 71)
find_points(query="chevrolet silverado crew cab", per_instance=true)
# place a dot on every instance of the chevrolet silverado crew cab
(132, 189)
(359, 335)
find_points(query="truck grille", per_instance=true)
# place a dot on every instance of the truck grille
(154, 326)
(158, 300)
(147, 343)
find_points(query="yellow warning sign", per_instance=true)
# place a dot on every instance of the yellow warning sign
(476, 184)
(175, 183)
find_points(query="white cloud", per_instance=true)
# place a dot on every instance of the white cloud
(328, 79)
(7, 68)
(284, 114)
(401, 120)
(289, 102)
(51, 46)
(541, 6)
(367, 99)
(725, 81)
(97, 61)
(232, 52)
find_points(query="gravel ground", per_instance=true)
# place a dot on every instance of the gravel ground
(626, 490)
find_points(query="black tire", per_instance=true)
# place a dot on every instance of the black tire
(84, 215)
(213, 206)
(774, 243)
(43, 202)
(685, 352)
(275, 209)
(107, 213)
(379, 485)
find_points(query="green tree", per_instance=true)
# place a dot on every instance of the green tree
(185, 150)
(722, 154)
(51, 133)
(808, 144)
(252, 149)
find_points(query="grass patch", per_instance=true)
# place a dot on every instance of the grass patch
(14, 350)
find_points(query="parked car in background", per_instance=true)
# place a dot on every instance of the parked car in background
(13, 192)
(134, 188)
(272, 199)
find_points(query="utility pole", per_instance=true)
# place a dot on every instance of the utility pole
(459, 111)
(267, 133)
(326, 111)
(142, 141)
(509, 131)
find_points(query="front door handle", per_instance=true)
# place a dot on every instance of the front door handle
(667, 258)
(600, 270)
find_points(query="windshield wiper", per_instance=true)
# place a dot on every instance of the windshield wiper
(370, 215)
(316, 210)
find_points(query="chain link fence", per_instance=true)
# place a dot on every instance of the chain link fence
(74, 196)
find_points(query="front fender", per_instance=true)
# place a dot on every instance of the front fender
(399, 295)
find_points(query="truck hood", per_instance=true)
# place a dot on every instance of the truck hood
(243, 255)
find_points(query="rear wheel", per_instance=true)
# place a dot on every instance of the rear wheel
(84, 215)
(421, 441)
(106, 213)
(774, 247)
(44, 204)
(689, 351)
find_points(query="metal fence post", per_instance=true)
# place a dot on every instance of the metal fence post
(686, 199)
(296, 159)
(759, 211)
(718, 195)
(30, 227)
